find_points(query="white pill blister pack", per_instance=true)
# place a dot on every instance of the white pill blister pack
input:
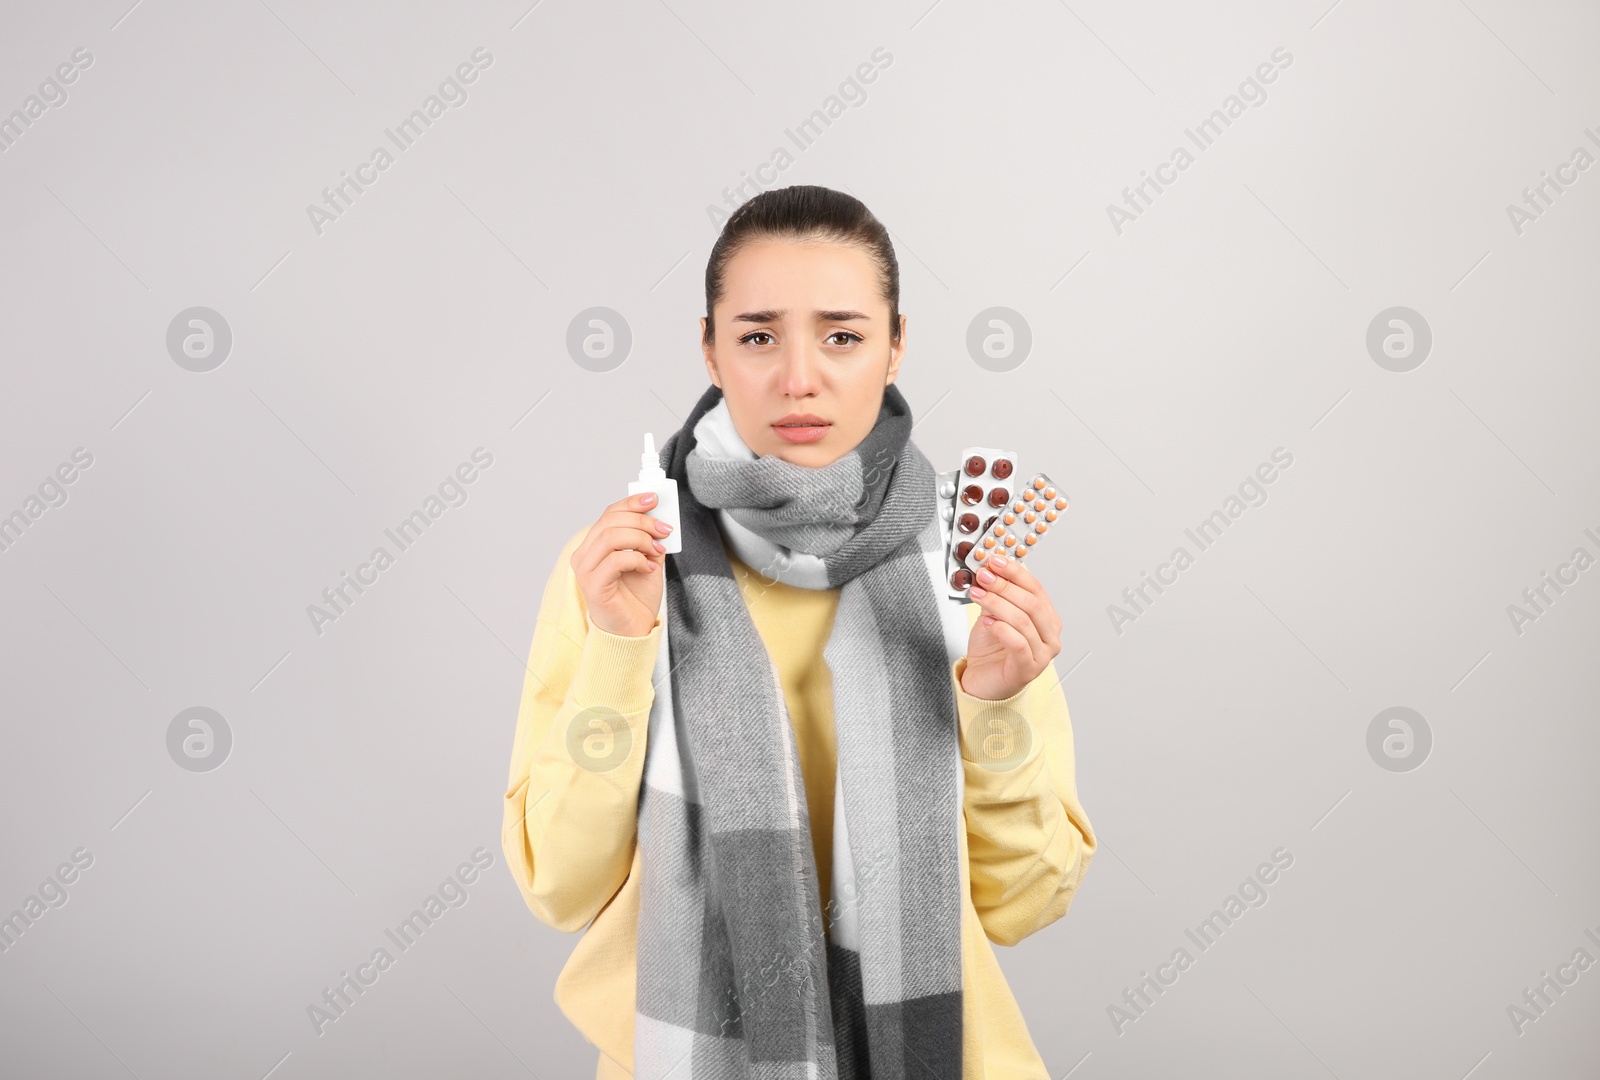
(986, 507)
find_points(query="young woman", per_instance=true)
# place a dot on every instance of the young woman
(791, 788)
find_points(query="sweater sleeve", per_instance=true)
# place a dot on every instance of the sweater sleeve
(577, 758)
(1029, 841)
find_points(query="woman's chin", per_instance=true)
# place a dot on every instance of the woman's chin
(806, 455)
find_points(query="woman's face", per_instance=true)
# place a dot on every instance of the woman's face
(802, 334)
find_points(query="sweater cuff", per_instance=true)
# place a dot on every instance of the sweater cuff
(994, 733)
(614, 671)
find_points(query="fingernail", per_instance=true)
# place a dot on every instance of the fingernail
(666, 526)
(978, 591)
(659, 545)
(997, 560)
(986, 577)
(649, 497)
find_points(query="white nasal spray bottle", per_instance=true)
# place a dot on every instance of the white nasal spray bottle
(653, 478)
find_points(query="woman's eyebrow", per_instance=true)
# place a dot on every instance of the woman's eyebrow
(772, 315)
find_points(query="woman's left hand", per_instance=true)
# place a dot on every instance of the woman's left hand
(1017, 635)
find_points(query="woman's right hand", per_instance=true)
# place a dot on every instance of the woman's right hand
(619, 567)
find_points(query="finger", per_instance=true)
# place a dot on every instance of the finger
(632, 526)
(1016, 583)
(1003, 610)
(1010, 571)
(633, 508)
(1005, 578)
(640, 503)
(633, 519)
(604, 541)
(1011, 637)
(1011, 641)
(627, 560)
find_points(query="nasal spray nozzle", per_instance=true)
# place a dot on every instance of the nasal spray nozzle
(653, 478)
(650, 460)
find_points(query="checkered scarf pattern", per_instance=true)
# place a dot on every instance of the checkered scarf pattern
(738, 977)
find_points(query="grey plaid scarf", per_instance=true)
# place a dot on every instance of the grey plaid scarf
(737, 976)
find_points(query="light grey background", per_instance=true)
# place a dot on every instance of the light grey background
(1167, 362)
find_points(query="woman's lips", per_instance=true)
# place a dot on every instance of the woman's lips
(803, 434)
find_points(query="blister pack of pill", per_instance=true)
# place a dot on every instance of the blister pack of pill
(982, 512)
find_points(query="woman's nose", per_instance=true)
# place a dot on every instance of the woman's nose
(800, 372)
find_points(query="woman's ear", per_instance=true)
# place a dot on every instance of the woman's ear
(705, 348)
(897, 352)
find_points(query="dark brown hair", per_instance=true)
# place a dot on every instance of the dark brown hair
(805, 212)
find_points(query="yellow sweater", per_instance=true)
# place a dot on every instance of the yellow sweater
(569, 834)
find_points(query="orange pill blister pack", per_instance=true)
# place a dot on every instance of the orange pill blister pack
(986, 508)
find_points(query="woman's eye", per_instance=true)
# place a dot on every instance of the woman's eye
(846, 334)
(755, 334)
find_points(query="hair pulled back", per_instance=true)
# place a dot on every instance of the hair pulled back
(805, 212)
